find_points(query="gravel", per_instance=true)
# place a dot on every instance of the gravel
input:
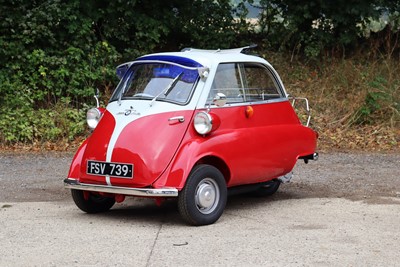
(355, 176)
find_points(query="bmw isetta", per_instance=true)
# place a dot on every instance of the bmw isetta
(194, 125)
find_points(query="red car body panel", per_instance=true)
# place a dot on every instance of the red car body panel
(270, 142)
(149, 143)
(96, 148)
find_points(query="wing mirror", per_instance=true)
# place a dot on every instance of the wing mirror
(219, 100)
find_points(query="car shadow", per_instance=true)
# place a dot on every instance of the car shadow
(146, 211)
(245, 201)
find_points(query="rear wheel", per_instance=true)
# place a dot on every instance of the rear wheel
(92, 203)
(268, 189)
(203, 199)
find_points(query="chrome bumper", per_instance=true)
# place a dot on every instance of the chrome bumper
(71, 183)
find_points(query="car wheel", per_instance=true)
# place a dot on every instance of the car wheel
(268, 189)
(203, 199)
(93, 203)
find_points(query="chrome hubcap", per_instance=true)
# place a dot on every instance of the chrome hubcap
(207, 196)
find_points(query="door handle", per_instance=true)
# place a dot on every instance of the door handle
(177, 118)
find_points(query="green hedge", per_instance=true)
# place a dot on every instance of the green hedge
(54, 54)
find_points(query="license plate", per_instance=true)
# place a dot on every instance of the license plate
(122, 170)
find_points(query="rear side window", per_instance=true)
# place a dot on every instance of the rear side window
(244, 82)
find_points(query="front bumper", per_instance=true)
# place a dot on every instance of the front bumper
(71, 183)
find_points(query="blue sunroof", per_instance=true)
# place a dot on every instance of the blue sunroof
(176, 59)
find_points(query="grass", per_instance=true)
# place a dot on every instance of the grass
(355, 102)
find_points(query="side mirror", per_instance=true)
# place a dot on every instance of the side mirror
(219, 100)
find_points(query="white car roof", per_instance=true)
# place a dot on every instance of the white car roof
(210, 58)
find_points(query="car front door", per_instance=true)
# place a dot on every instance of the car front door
(258, 125)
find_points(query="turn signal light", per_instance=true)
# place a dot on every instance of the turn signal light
(249, 111)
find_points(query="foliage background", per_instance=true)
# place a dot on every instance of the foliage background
(343, 55)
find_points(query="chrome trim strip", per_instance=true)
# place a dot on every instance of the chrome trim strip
(253, 103)
(71, 183)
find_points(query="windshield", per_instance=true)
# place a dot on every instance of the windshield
(157, 82)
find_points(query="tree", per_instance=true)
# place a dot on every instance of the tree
(316, 26)
(54, 53)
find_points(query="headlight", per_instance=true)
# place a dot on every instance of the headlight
(92, 117)
(203, 122)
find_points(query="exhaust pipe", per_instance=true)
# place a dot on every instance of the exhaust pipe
(313, 156)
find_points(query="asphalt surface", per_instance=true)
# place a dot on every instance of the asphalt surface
(343, 210)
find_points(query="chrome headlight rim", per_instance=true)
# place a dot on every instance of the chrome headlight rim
(93, 117)
(202, 122)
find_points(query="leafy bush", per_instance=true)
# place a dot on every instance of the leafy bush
(30, 93)
(54, 54)
(25, 124)
(381, 104)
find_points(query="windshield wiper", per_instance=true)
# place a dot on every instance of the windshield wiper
(168, 89)
(124, 88)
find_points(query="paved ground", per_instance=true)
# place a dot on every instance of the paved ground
(343, 210)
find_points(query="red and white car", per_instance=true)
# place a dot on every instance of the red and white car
(194, 125)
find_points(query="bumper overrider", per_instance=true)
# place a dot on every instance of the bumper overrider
(71, 183)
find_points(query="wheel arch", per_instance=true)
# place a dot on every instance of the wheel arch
(180, 170)
(218, 163)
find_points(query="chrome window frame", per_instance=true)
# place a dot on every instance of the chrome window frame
(273, 75)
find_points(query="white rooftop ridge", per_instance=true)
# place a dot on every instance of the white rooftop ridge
(221, 51)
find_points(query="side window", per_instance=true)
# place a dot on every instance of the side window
(227, 81)
(259, 84)
(244, 82)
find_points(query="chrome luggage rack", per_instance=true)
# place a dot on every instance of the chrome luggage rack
(294, 100)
